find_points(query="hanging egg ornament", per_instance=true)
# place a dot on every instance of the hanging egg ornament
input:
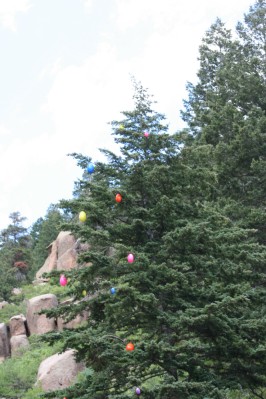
(130, 347)
(90, 168)
(63, 280)
(82, 216)
(113, 290)
(84, 292)
(130, 258)
(138, 391)
(146, 134)
(118, 197)
(121, 127)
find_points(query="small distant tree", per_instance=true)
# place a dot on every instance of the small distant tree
(15, 254)
(15, 234)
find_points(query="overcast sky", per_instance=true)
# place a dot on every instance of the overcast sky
(65, 71)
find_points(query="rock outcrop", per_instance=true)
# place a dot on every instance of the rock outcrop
(17, 325)
(18, 333)
(14, 335)
(40, 324)
(58, 371)
(17, 342)
(4, 342)
(62, 254)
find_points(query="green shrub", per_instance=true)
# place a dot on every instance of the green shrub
(18, 374)
(33, 393)
(12, 309)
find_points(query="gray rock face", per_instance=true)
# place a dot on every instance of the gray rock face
(50, 263)
(17, 325)
(58, 371)
(17, 342)
(40, 324)
(4, 342)
(65, 242)
(62, 255)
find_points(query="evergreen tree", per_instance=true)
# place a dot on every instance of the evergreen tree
(192, 300)
(7, 276)
(15, 251)
(15, 233)
(226, 109)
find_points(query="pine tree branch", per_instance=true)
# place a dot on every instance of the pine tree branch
(260, 396)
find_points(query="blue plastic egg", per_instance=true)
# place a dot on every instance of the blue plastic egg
(90, 168)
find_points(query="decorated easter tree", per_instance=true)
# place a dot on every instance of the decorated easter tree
(173, 285)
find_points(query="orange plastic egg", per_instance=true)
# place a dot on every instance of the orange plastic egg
(118, 197)
(130, 347)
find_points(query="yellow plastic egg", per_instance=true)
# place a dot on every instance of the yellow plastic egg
(82, 216)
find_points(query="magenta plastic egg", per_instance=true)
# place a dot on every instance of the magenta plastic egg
(130, 258)
(63, 280)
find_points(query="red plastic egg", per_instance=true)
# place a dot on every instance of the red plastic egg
(130, 347)
(118, 197)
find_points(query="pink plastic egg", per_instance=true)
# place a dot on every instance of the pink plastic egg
(63, 280)
(146, 134)
(130, 258)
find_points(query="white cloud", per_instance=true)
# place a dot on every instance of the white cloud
(8, 11)
(83, 99)
(88, 4)
(162, 15)
(32, 176)
(166, 14)
(51, 69)
(4, 132)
